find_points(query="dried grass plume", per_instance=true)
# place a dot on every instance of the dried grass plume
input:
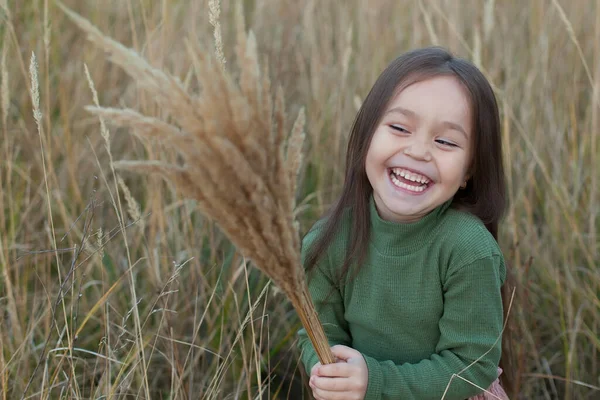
(239, 162)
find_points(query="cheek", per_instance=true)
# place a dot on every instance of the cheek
(454, 168)
(371, 165)
(374, 161)
(377, 148)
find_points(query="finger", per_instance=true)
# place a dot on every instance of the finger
(344, 352)
(331, 384)
(314, 390)
(337, 370)
(314, 369)
(327, 395)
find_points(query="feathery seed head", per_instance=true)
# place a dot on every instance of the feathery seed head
(4, 87)
(35, 88)
(231, 126)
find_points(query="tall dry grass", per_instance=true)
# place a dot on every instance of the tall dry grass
(115, 292)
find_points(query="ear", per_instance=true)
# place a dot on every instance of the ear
(469, 171)
(464, 184)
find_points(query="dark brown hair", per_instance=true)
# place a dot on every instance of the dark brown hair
(485, 193)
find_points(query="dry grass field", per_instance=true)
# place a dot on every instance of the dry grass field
(113, 285)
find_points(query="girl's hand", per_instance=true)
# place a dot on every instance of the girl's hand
(346, 379)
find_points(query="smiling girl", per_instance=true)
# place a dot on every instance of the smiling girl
(405, 269)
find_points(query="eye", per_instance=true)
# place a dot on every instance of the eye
(399, 128)
(446, 143)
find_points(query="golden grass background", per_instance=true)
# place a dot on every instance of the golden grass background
(120, 288)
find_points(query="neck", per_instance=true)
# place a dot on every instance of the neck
(397, 238)
(388, 215)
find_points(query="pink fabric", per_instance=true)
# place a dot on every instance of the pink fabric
(494, 392)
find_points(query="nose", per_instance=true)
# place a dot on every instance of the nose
(418, 150)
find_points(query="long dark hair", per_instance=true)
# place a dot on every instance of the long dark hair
(485, 193)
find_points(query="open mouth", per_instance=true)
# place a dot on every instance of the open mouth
(409, 180)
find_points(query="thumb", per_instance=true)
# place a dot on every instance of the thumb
(344, 353)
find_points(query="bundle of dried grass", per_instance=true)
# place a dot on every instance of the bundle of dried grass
(239, 163)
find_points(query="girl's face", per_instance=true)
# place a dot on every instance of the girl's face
(421, 150)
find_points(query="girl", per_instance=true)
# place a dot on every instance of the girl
(405, 271)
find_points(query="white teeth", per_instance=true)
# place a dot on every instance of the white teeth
(405, 186)
(410, 176)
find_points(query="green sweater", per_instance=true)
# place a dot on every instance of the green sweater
(425, 305)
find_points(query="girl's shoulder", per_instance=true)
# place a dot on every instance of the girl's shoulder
(337, 245)
(466, 238)
(317, 229)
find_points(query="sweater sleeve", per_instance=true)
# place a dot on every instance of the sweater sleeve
(329, 304)
(469, 345)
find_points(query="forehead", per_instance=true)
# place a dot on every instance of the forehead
(437, 98)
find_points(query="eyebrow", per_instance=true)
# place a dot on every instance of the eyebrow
(401, 110)
(412, 114)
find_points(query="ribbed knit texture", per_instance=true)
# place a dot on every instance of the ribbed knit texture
(424, 306)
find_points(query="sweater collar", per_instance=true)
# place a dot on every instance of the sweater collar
(395, 238)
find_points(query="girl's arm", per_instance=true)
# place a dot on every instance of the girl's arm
(329, 304)
(470, 329)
